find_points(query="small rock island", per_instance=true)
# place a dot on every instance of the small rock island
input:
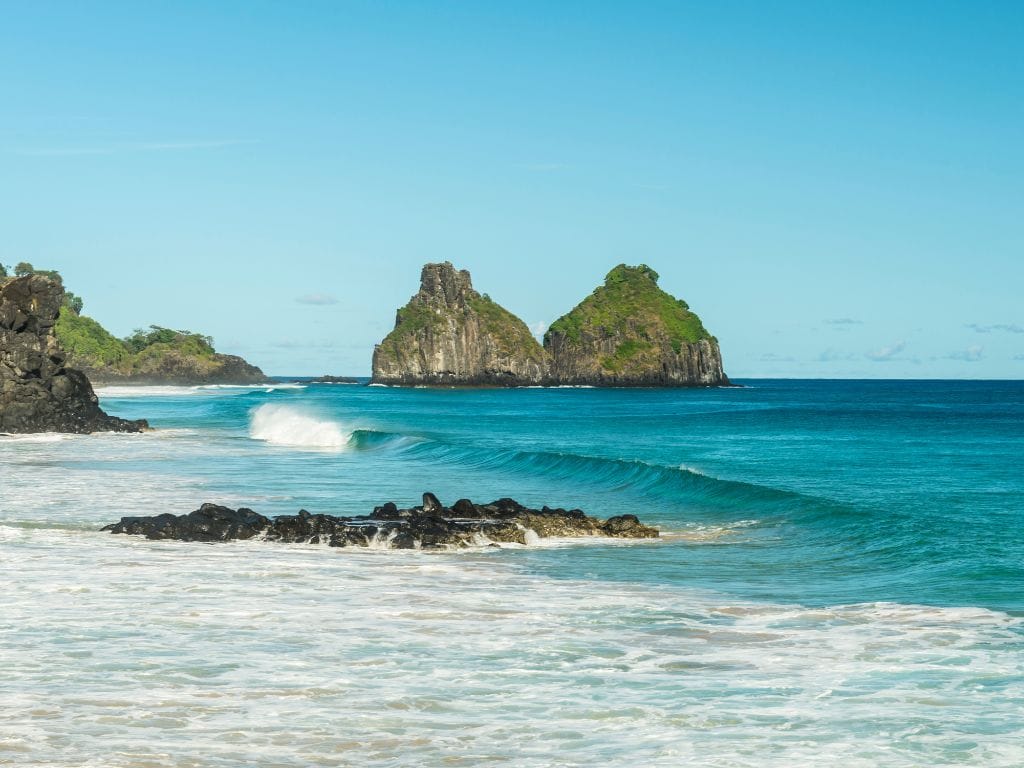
(430, 525)
(38, 393)
(448, 334)
(631, 333)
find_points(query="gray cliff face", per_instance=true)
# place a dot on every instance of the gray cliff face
(448, 334)
(37, 393)
(696, 364)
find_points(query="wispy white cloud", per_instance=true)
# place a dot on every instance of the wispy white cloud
(771, 357)
(833, 355)
(127, 147)
(1008, 327)
(317, 299)
(842, 323)
(972, 354)
(886, 353)
(538, 328)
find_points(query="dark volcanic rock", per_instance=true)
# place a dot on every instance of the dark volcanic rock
(37, 392)
(331, 380)
(177, 368)
(210, 522)
(429, 526)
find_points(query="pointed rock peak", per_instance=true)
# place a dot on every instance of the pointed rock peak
(625, 274)
(444, 281)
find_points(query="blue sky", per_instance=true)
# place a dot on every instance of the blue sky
(835, 187)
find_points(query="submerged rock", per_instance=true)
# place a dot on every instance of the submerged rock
(428, 526)
(37, 392)
(448, 334)
(330, 380)
(631, 333)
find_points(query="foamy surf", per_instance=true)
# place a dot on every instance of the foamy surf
(39, 437)
(170, 390)
(287, 425)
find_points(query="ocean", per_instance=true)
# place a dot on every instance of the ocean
(840, 581)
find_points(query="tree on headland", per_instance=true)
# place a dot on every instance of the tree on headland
(142, 339)
(24, 269)
(73, 302)
(3, 271)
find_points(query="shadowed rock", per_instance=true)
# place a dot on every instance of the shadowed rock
(429, 526)
(37, 392)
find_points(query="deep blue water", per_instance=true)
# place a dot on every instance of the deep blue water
(825, 491)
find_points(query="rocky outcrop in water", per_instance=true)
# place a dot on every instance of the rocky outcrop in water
(448, 334)
(331, 380)
(428, 526)
(627, 333)
(37, 392)
(630, 333)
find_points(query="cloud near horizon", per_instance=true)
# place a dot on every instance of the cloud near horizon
(841, 322)
(832, 355)
(1008, 327)
(972, 354)
(317, 299)
(886, 353)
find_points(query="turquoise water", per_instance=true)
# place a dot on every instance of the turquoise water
(840, 581)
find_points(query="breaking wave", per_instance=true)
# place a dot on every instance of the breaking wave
(288, 425)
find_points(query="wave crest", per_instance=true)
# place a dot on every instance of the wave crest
(287, 425)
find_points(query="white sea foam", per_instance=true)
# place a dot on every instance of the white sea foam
(356, 658)
(40, 437)
(288, 425)
(120, 391)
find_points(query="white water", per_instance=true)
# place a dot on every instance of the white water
(162, 390)
(288, 425)
(135, 653)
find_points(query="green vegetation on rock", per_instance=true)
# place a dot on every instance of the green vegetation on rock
(631, 303)
(88, 344)
(508, 331)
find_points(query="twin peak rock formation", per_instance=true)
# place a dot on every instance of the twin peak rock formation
(627, 333)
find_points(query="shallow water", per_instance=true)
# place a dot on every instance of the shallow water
(840, 582)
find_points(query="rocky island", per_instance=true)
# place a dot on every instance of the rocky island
(38, 392)
(627, 333)
(631, 333)
(448, 334)
(428, 526)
